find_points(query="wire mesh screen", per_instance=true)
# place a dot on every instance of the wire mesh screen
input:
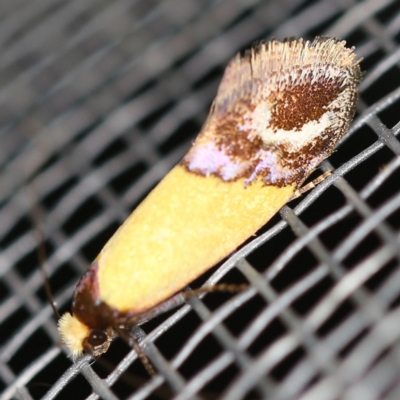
(99, 99)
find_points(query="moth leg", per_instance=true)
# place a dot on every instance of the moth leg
(180, 298)
(221, 287)
(133, 343)
(310, 185)
(165, 306)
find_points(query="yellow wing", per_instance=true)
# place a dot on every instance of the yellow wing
(185, 226)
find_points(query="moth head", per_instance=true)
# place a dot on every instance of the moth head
(79, 337)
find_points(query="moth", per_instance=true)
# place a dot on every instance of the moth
(280, 109)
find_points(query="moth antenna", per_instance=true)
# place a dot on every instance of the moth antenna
(37, 217)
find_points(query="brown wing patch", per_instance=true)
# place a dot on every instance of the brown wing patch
(280, 110)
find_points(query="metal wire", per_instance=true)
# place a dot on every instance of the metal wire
(99, 99)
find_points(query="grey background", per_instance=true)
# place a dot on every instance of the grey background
(98, 100)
